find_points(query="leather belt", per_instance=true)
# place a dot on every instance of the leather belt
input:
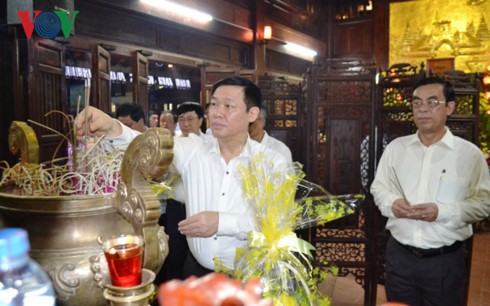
(424, 253)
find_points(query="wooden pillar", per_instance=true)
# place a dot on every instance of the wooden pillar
(260, 48)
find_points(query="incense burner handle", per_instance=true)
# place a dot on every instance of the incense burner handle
(148, 156)
(23, 140)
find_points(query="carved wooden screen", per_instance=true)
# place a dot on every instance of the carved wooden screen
(47, 92)
(140, 80)
(101, 81)
(394, 119)
(339, 95)
(282, 103)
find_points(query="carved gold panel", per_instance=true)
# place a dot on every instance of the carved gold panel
(432, 29)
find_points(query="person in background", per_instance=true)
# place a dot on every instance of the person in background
(190, 116)
(153, 119)
(167, 121)
(131, 115)
(219, 215)
(431, 186)
(206, 116)
(257, 133)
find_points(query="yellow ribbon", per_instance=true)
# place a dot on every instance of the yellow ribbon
(288, 241)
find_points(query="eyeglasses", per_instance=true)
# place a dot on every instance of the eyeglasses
(431, 103)
(187, 119)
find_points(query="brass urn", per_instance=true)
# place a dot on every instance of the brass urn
(64, 230)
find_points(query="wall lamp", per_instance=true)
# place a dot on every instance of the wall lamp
(267, 35)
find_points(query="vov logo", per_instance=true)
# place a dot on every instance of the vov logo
(47, 24)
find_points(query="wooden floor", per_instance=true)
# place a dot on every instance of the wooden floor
(348, 293)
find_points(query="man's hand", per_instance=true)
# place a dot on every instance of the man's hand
(203, 224)
(94, 122)
(401, 208)
(424, 212)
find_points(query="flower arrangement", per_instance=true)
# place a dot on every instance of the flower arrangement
(284, 202)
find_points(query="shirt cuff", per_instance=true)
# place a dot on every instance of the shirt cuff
(444, 212)
(122, 141)
(227, 226)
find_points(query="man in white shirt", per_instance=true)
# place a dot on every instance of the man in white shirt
(431, 186)
(258, 133)
(167, 121)
(219, 216)
(131, 115)
(153, 119)
(190, 117)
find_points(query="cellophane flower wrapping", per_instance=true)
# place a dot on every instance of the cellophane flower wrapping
(167, 184)
(284, 202)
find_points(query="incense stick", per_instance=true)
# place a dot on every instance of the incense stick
(399, 186)
(75, 143)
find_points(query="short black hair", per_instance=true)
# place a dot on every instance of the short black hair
(447, 87)
(190, 107)
(170, 113)
(253, 95)
(134, 111)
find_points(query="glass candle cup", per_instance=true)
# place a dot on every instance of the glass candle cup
(124, 255)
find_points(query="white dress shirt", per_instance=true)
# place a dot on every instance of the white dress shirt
(276, 145)
(122, 141)
(451, 173)
(212, 185)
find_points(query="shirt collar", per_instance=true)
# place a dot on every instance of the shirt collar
(213, 146)
(265, 138)
(446, 140)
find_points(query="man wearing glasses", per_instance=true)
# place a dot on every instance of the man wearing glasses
(431, 186)
(190, 116)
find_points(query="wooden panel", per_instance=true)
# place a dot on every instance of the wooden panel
(215, 51)
(234, 22)
(231, 44)
(281, 63)
(47, 92)
(8, 86)
(344, 155)
(297, 15)
(353, 39)
(140, 80)
(101, 80)
(282, 102)
(102, 22)
(209, 76)
(381, 10)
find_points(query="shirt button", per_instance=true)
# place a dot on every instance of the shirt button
(227, 172)
(215, 238)
(223, 194)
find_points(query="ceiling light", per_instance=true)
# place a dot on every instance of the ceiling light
(300, 50)
(180, 10)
